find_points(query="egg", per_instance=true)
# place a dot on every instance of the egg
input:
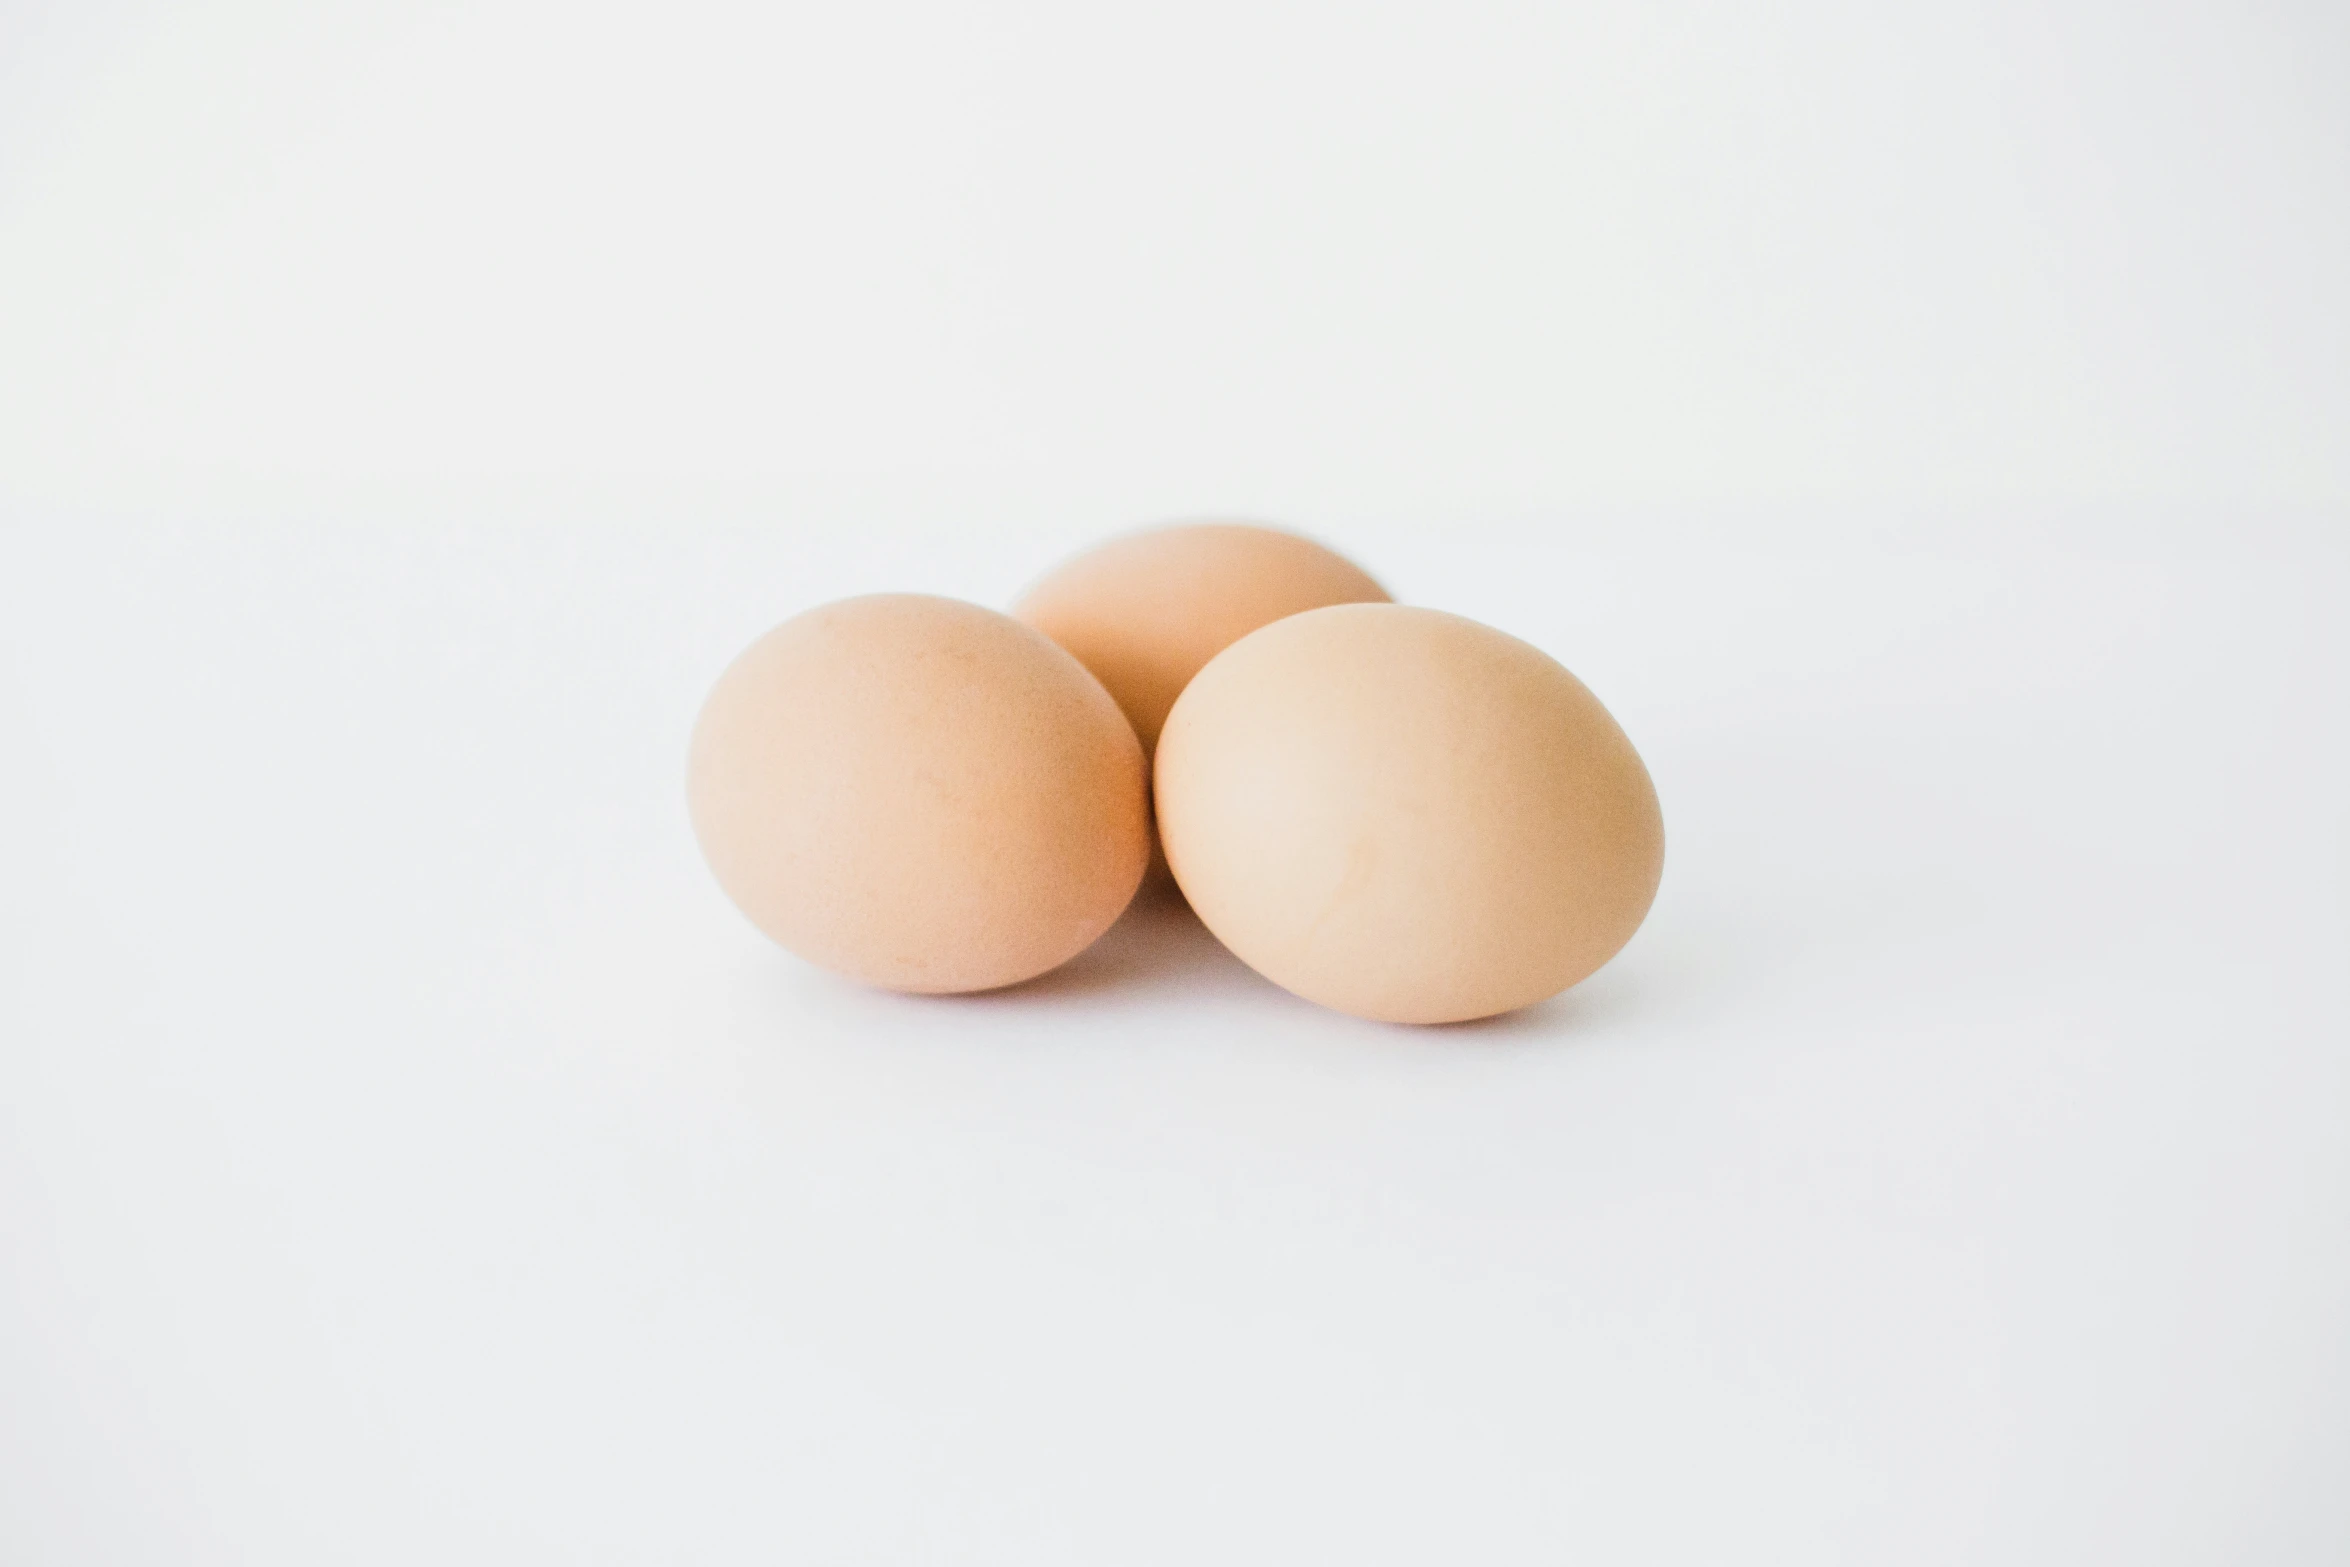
(919, 793)
(1146, 611)
(1406, 815)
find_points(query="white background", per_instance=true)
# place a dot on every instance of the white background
(1927, 427)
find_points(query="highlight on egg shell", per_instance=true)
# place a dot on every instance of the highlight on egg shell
(919, 793)
(1406, 815)
(1145, 612)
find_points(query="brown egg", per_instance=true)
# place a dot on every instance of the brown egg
(919, 793)
(1406, 815)
(1146, 611)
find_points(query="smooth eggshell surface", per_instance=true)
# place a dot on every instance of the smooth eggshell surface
(1406, 815)
(1147, 611)
(919, 793)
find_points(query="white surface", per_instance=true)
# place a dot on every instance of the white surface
(1924, 426)
(1001, 259)
(409, 1156)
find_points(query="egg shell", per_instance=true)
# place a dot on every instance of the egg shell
(1406, 815)
(919, 793)
(1145, 612)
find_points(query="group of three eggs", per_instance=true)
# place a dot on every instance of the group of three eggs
(1392, 811)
